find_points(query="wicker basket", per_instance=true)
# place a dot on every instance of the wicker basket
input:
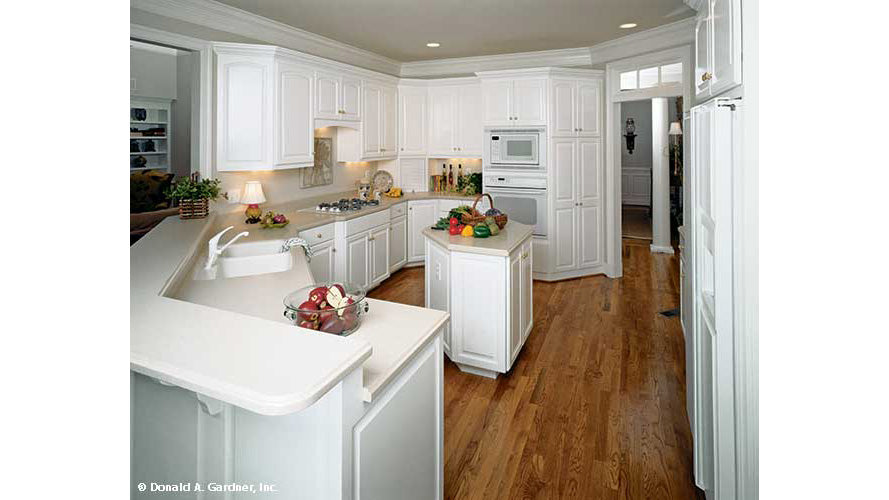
(478, 217)
(194, 209)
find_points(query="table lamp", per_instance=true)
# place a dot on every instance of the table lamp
(252, 197)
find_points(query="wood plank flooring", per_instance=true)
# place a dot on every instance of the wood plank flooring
(594, 406)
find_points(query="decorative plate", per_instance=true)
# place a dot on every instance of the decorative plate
(382, 181)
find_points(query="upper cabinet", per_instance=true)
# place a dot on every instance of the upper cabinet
(717, 47)
(412, 121)
(575, 107)
(455, 125)
(520, 101)
(377, 136)
(338, 97)
(263, 111)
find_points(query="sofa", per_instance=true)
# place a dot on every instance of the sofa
(149, 204)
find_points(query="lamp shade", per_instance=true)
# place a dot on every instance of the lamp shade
(252, 193)
(675, 129)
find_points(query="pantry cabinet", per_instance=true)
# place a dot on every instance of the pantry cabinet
(455, 127)
(338, 96)
(412, 121)
(510, 102)
(263, 111)
(578, 205)
(717, 48)
(576, 108)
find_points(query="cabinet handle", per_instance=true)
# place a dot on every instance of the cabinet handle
(319, 235)
(706, 76)
(580, 130)
(402, 149)
(333, 249)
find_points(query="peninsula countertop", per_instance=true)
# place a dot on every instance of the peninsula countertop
(503, 244)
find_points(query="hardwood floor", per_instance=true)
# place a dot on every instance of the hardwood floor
(594, 406)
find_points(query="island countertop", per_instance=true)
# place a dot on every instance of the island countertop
(503, 244)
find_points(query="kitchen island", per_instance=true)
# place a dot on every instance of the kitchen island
(225, 391)
(485, 284)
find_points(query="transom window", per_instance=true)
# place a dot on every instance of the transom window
(654, 76)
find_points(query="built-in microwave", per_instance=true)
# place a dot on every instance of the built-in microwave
(515, 149)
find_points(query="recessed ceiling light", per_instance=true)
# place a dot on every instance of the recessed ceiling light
(627, 26)
(433, 44)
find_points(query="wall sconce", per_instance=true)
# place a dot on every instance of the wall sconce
(630, 135)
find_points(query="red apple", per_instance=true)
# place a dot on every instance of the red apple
(347, 301)
(317, 295)
(336, 296)
(340, 288)
(308, 310)
(304, 323)
(333, 325)
(350, 320)
(325, 313)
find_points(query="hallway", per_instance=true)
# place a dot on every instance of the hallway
(594, 407)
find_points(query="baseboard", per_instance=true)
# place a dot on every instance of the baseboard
(482, 372)
(567, 275)
(659, 249)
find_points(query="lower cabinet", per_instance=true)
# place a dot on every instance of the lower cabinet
(397, 243)
(365, 257)
(322, 263)
(420, 215)
(438, 292)
(521, 316)
(378, 254)
(398, 443)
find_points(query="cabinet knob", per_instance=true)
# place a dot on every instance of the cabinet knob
(706, 76)
(319, 235)
(580, 130)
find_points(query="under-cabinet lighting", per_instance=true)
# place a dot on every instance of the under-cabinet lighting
(433, 44)
(627, 26)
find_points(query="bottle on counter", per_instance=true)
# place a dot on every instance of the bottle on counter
(444, 177)
(459, 174)
(451, 178)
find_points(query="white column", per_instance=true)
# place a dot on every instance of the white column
(660, 177)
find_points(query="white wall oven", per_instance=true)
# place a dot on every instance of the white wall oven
(522, 197)
(517, 149)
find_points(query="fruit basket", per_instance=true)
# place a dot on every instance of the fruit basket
(478, 217)
(335, 308)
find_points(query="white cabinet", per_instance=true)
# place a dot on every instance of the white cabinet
(577, 198)
(397, 243)
(438, 291)
(338, 96)
(372, 123)
(575, 108)
(412, 174)
(521, 315)
(263, 111)
(323, 262)
(455, 127)
(357, 251)
(514, 101)
(362, 249)
(389, 126)
(376, 138)
(378, 254)
(717, 47)
(420, 215)
(412, 121)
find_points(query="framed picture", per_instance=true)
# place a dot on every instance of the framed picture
(322, 173)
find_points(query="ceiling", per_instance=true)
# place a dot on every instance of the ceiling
(400, 29)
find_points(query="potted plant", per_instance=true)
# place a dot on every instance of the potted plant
(194, 196)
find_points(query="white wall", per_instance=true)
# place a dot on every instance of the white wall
(180, 159)
(154, 73)
(636, 167)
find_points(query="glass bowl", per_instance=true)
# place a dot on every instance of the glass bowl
(309, 308)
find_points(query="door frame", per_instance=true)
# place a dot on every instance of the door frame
(613, 99)
(201, 148)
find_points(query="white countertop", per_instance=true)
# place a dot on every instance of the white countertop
(510, 237)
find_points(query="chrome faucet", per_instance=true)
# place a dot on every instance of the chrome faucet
(298, 242)
(214, 251)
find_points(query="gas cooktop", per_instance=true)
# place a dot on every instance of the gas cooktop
(345, 205)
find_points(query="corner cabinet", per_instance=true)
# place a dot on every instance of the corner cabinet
(717, 48)
(263, 111)
(455, 126)
(412, 121)
(514, 101)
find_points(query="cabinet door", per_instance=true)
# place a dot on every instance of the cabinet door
(497, 102)
(479, 311)
(566, 239)
(589, 118)
(589, 186)
(469, 121)
(412, 174)
(515, 305)
(295, 138)
(389, 141)
(327, 95)
(420, 215)
(412, 122)
(397, 243)
(442, 110)
(322, 264)
(529, 102)
(702, 52)
(357, 247)
(244, 121)
(379, 254)
(350, 98)
(563, 121)
(527, 283)
(726, 34)
(563, 154)
(371, 119)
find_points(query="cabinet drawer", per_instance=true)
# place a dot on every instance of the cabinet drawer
(355, 226)
(397, 210)
(318, 234)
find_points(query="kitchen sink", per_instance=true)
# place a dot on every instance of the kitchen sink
(258, 257)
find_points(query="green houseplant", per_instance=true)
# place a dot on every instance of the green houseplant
(194, 196)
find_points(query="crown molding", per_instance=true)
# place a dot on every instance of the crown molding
(211, 14)
(660, 38)
(470, 65)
